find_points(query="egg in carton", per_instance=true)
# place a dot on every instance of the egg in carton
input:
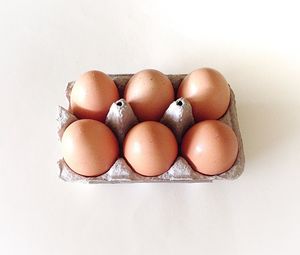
(178, 117)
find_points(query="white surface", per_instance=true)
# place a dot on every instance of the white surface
(254, 44)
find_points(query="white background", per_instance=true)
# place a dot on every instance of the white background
(44, 44)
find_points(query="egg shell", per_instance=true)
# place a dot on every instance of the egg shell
(207, 91)
(149, 93)
(150, 148)
(89, 147)
(92, 95)
(210, 147)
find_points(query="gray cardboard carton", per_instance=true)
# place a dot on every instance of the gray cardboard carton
(178, 117)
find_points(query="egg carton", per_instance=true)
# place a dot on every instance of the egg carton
(178, 117)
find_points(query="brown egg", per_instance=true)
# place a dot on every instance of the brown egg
(92, 95)
(150, 148)
(89, 147)
(210, 147)
(207, 91)
(149, 93)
